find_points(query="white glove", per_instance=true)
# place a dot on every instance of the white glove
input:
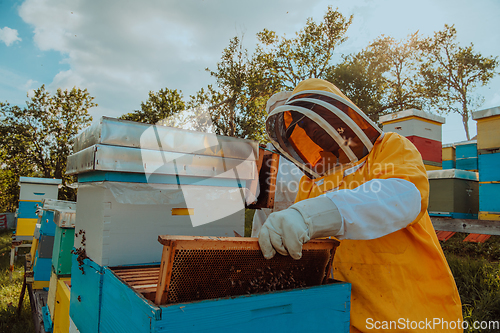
(285, 231)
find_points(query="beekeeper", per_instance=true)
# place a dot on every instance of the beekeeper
(368, 189)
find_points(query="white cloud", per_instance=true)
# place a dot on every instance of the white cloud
(119, 50)
(9, 36)
(29, 84)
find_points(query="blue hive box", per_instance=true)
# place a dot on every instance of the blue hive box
(488, 167)
(448, 164)
(466, 149)
(101, 302)
(488, 197)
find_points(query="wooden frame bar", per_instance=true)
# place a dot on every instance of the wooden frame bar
(466, 225)
(173, 243)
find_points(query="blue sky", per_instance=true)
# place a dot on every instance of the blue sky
(121, 49)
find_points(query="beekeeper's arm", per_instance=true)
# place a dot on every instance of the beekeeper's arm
(397, 198)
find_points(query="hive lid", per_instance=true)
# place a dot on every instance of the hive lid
(36, 180)
(453, 173)
(469, 142)
(54, 205)
(117, 132)
(411, 113)
(486, 113)
(154, 162)
(197, 268)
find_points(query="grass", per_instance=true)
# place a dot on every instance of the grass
(489, 250)
(10, 291)
(478, 283)
(476, 270)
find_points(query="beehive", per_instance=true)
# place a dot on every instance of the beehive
(488, 122)
(453, 193)
(488, 145)
(448, 156)
(45, 238)
(196, 268)
(33, 191)
(422, 129)
(63, 213)
(138, 181)
(54, 298)
(118, 299)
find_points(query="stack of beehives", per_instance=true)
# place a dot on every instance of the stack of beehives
(137, 181)
(449, 156)
(56, 311)
(422, 129)
(488, 145)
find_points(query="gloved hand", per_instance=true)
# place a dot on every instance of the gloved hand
(287, 230)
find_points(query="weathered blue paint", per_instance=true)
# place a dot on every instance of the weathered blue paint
(489, 167)
(98, 176)
(488, 197)
(469, 163)
(299, 310)
(47, 321)
(448, 164)
(47, 224)
(42, 268)
(85, 298)
(27, 209)
(466, 150)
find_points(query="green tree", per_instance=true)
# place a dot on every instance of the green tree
(159, 105)
(237, 102)
(37, 138)
(360, 78)
(452, 72)
(245, 82)
(383, 77)
(307, 55)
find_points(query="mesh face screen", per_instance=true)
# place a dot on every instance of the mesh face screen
(208, 274)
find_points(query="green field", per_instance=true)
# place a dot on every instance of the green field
(476, 269)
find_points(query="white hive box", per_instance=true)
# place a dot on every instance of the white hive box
(414, 122)
(179, 183)
(37, 189)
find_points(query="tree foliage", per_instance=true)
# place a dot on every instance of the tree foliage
(382, 78)
(360, 78)
(452, 72)
(159, 105)
(36, 139)
(245, 82)
(237, 101)
(309, 53)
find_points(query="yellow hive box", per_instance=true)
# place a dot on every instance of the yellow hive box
(53, 290)
(26, 227)
(448, 153)
(34, 247)
(61, 310)
(489, 216)
(487, 129)
(488, 122)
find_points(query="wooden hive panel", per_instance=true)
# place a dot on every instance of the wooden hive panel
(197, 268)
